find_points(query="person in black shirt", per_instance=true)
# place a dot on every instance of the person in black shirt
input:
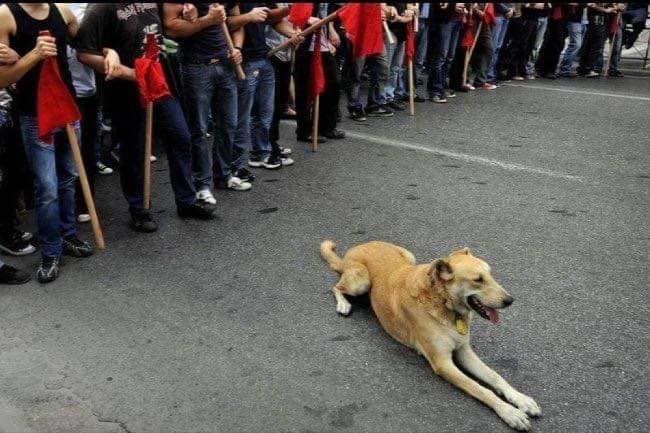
(594, 42)
(110, 38)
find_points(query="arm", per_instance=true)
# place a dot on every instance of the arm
(69, 18)
(276, 14)
(7, 55)
(178, 27)
(237, 20)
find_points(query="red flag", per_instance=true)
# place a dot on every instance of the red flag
(299, 13)
(55, 106)
(317, 74)
(362, 22)
(613, 26)
(149, 73)
(409, 49)
(557, 14)
(488, 15)
(467, 40)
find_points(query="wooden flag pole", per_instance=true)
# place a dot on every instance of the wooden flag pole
(411, 89)
(612, 46)
(389, 35)
(147, 156)
(238, 69)
(308, 31)
(314, 129)
(468, 55)
(85, 187)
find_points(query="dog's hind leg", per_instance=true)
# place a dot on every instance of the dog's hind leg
(473, 364)
(355, 281)
(407, 255)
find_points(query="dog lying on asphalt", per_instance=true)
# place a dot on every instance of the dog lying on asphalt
(429, 308)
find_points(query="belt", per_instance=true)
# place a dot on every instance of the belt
(212, 61)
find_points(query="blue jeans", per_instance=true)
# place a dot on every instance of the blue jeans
(498, 36)
(54, 182)
(542, 23)
(615, 52)
(421, 44)
(445, 37)
(379, 75)
(256, 94)
(396, 62)
(203, 86)
(575, 31)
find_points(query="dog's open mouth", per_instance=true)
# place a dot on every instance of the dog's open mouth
(488, 313)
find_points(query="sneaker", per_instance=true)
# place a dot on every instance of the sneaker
(195, 211)
(531, 77)
(488, 86)
(568, 74)
(236, 184)
(335, 134)
(284, 151)
(205, 196)
(83, 218)
(396, 106)
(143, 222)
(26, 236)
(14, 244)
(419, 98)
(358, 115)
(75, 247)
(592, 74)
(106, 125)
(379, 111)
(153, 158)
(286, 161)
(616, 74)
(103, 169)
(307, 139)
(272, 162)
(518, 78)
(550, 76)
(48, 271)
(450, 93)
(115, 155)
(439, 99)
(245, 175)
(11, 275)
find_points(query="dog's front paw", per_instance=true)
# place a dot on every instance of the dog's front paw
(343, 307)
(525, 403)
(514, 417)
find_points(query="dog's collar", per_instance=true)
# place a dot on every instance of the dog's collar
(462, 324)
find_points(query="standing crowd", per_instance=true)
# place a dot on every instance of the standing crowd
(217, 128)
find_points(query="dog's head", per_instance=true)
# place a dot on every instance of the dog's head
(469, 285)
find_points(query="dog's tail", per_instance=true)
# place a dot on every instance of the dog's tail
(327, 252)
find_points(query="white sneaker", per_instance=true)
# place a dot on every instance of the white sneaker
(83, 217)
(286, 161)
(236, 184)
(284, 151)
(103, 169)
(153, 158)
(205, 195)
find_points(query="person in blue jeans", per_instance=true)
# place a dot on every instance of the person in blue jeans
(575, 31)
(256, 93)
(503, 13)
(50, 159)
(443, 33)
(210, 89)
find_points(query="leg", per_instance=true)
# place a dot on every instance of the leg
(263, 110)
(66, 173)
(128, 130)
(355, 281)
(226, 100)
(473, 364)
(246, 89)
(90, 126)
(329, 99)
(301, 84)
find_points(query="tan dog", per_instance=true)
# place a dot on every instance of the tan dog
(429, 307)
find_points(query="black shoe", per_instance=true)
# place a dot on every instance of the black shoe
(48, 271)
(307, 139)
(419, 98)
(15, 244)
(396, 106)
(143, 222)
(380, 111)
(450, 93)
(11, 275)
(550, 76)
(196, 211)
(568, 75)
(357, 114)
(335, 134)
(75, 247)
(273, 162)
(245, 175)
(616, 74)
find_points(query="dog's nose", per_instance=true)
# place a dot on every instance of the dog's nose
(508, 300)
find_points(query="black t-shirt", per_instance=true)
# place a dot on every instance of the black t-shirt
(254, 34)
(398, 29)
(207, 44)
(573, 13)
(122, 27)
(440, 15)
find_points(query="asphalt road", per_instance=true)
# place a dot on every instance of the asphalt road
(230, 326)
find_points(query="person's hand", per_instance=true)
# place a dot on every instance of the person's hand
(112, 64)
(460, 8)
(334, 39)
(392, 13)
(332, 48)
(216, 14)
(258, 15)
(122, 72)
(409, 13)
(235, 56)
(509, 14)
(611, 10)
(479, 12)
(190, 13)
(7, 55)
(45, 47)
(296, 40)
(313, 20)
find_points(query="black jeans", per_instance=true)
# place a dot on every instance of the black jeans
(549, 54)
(89, 108)
(482, 55)
(282, 83)
(593, 44)
(12, 170)
(329, 99)
(519, 46)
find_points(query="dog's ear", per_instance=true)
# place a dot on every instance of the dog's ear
(441, 271)
(463, 250)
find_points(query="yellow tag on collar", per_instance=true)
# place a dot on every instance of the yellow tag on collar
(461, 325)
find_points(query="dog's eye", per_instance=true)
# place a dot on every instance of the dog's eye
(479, 279)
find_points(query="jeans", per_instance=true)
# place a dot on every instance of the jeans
(498, 36)
(378, 73)
(396, 63)
(90, 141)
(380, 79)
(444, 36)
(54, 183)
(256, 94)
(542, 23)
(170, 127)
(575, 31)
(203, 86)
(615, 54)
(421, 44)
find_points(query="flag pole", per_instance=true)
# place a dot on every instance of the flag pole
(314, 129)
(147, 156)
(612, 46)
(468, 54)
(389, 35)
(308, 31)
(85, 187)
(411, 89)
(238, 69)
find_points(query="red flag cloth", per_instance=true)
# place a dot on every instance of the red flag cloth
(557, 14)
(409, 49)
(299, 13)
(488, 15)
(55, 106)
(613, 26)
(467, 40)
(316, 73)
(362, 22)
(152, 84)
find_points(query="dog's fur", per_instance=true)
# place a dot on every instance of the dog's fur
(420, 306)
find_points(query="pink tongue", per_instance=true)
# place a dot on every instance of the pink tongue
(492, 314)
